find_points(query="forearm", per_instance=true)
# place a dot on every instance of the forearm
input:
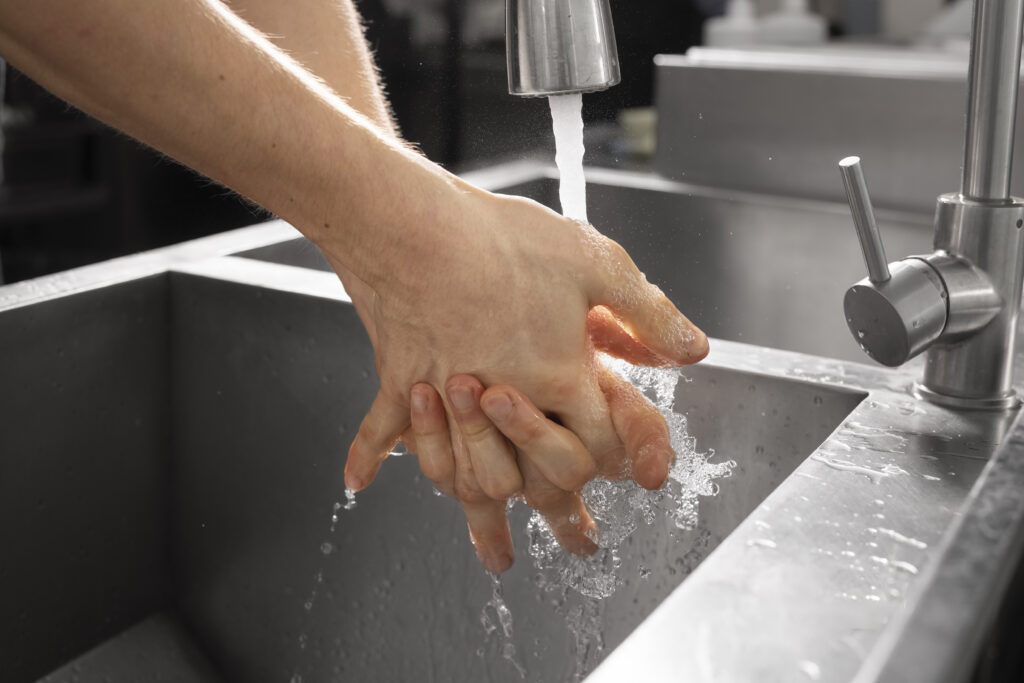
(191, 79)
(326, 37)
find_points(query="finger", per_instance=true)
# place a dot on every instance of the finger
(564, 511)
(642, 429)
(488, 529)
(558, 454)
(378, 434)
(492, 458)
(609, 337)
(409, 439)
(430, 432)
(644, 310)
(587, 416)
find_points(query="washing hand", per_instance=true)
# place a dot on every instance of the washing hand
(527, 305)
(501, 424)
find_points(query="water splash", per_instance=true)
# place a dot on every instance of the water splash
(619, 509)
(899, 538)
(810, 669)
(846, 466)
(895, 564)
(327, 547)
(497, 614)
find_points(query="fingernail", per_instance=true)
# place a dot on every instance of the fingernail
(697, 344)
(353, 482)
(419, 402)
(461, 397)
(497, 406)
(497, 563)
(655, 459)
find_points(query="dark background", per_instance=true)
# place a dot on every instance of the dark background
(74, 192)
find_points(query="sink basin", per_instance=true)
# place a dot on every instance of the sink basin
(203, 426)
(173, 450)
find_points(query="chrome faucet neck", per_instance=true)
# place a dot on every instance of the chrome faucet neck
(992, 85)
(558, 47)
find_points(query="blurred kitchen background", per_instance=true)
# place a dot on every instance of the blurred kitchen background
(73, 192)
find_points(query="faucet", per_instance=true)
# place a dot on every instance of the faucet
(556, 47)
(961, 302)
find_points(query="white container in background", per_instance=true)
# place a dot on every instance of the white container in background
(738, 26)
(793, 24)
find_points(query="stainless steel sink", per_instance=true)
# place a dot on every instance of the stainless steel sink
(172, 453)
(203, 424)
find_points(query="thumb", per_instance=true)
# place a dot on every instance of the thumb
(645, 312)
(609, 337)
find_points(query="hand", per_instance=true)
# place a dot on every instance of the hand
(506, 294)
(552, 464)
(551, 461)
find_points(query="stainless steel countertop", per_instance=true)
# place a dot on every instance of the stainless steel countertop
(870, 530)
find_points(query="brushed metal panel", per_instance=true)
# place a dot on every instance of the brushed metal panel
(83, 471)
(782, 130)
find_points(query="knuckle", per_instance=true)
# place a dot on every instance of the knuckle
(476, 431)
(530, 431)
(651, 443)
(426, 427)
(500, 488)
(468, 492)
(439, 473)
(565, 390)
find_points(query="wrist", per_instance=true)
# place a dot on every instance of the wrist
(417, 219)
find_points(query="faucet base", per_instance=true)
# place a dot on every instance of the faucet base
(1000, 403)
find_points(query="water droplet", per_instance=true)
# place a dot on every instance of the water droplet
(810, 669)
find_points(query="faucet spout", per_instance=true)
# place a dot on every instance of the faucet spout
(558, 47)
(993, 82)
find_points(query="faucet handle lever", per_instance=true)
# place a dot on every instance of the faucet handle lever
(864, 220)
